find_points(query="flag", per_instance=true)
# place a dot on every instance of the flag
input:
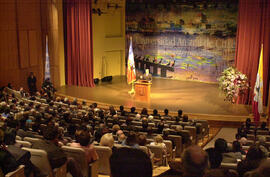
(47, 61)
(257, 105)
(131, 73)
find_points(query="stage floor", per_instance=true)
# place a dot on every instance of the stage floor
(191, 97)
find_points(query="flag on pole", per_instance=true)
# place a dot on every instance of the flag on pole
(131, 73)
(257, 105)
(47, 61)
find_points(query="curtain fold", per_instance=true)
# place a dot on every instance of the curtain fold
(78, 42)
(253, 30)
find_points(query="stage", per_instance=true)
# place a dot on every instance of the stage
(195, 98)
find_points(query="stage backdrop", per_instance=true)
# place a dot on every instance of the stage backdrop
(186, 40)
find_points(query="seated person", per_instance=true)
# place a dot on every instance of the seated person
(144, 112)
(166, 114)
(133, 110)
(263, 127)
(22, 157)
(107, 140)
(83, 141)
(142, 142)
(56, 155)
(255, 156)
(131, 140)
(122, 111)
(215, 158)
(179, 116)
(221, 147)
(7, 162)
(155, 113)
(159, 142)
(194, 163)
(122, 166)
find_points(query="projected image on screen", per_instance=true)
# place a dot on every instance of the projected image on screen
(186, 40)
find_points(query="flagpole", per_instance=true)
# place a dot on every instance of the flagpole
(132, 91)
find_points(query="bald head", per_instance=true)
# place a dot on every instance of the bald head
(195, 161)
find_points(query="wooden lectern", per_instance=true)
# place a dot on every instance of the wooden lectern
(142, 90)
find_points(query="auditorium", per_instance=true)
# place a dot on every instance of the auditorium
(134, 88)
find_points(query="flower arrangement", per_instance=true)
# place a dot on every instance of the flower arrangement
(233, 83)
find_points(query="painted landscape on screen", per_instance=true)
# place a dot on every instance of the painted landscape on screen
(196, 38)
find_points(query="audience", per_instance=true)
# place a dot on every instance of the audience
(61, 121)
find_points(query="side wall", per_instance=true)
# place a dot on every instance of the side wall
(21, 41)
(109, 38)
(24, 25)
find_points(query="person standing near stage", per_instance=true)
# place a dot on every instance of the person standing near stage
(31, 81)
(146, 76)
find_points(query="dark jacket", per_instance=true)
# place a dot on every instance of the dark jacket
(56, 155)
(7, 161)
(22, 158)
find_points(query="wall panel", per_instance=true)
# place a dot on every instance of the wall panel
(7, 19)
(24, 49)
(22, 54)
(12, 57)
(33, 48)
(28, 14)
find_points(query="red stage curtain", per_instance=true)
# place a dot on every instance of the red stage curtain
(78, 42)
(253, 30)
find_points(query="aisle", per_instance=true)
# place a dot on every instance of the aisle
(226, 133)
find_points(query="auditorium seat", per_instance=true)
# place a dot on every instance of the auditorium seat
(170, 122)
(19, 172)
(262, 132)
(249, 143)
(185, 138)
(78, 154)
(178, 144)
(170, 150)
(40, 159)
(118, 145)
(32, 140)
(192, 132)
(199, 132)
(205, 127)
(158, 154)
(24, 143)
(104, 154)
(18, 138)
(144, 149)
(229, 166)
(136, 123)
(250, 137)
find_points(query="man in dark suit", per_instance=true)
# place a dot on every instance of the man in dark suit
(7, 161)
(31, 80)
(56, 155)
(22, 157)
